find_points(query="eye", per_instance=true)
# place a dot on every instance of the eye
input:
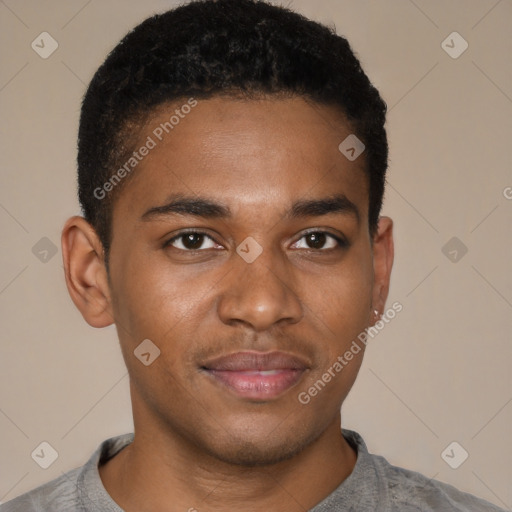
(192, 241)
(319, 240)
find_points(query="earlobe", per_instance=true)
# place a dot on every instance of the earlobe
(383, 255)
(85, 272)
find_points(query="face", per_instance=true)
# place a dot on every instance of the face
(241, 249)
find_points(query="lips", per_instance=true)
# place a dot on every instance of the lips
(256, 375)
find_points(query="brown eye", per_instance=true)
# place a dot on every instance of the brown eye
(192, 242)
(316, 240)
(319, 240)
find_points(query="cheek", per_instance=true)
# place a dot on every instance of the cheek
(157, 301)
(144, 289)
(151, 307)
(342, 297)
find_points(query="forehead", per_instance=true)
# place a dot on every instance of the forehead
(245, 153)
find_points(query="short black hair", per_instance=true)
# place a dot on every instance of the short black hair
(205, 48)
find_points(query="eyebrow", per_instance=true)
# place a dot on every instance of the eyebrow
(207, 208)
(188, 205)
(325, 206)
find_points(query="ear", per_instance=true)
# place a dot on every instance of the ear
(85, 272)
(383, 254)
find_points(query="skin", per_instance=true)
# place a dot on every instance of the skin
(198, 445)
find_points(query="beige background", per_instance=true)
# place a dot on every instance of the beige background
(439, 372)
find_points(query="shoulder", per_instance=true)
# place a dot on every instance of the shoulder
(375, 484)
(78, 490)
(411, 491)
(60, 494)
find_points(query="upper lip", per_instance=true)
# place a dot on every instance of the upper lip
(254, 361)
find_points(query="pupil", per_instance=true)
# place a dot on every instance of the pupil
(192, 241)
(316, 240)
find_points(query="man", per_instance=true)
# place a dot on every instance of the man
(232, 159)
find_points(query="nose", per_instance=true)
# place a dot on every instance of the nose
(259, 294)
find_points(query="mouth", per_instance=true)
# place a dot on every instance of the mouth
(256, 375)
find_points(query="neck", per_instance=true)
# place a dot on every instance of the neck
(159, 471)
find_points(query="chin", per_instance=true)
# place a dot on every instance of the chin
(251, 455)
(267, 450)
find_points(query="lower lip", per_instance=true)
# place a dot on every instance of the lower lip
(258, 385)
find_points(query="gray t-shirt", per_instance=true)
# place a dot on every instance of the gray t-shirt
(374, 485)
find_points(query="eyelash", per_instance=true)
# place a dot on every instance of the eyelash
(342, 243)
